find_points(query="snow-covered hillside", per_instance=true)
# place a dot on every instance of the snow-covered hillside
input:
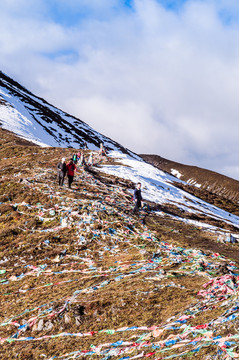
(158, 187)
(34, 119)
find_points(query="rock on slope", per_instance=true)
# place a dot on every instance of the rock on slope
(34, 119)
(81, 277)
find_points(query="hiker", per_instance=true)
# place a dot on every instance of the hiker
(82, 159)
(137, 198)
(90, 160)
(102, 150)
(74, 158)
(85, 145)
(70, 172)
(61, 168)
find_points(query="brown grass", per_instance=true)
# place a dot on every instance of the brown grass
(101, 269)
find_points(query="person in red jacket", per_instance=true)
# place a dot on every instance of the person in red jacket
(70, 167)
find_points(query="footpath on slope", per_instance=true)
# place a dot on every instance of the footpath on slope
(82, 277)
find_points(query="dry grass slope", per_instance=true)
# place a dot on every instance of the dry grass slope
(82, 277)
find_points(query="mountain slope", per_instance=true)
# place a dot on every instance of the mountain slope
(208, 185)
(82, 277)
(34, 119)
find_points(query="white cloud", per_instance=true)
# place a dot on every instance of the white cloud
(155, 80)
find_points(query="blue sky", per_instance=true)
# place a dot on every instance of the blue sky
(157, 76)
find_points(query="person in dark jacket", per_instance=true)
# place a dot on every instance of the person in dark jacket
(70, 172)
(137, 198)
(61, 168)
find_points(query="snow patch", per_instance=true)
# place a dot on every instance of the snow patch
(194, 183)
(176, 173)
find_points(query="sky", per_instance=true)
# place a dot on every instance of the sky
(158, 76)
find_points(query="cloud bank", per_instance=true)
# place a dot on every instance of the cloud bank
(160, 77)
